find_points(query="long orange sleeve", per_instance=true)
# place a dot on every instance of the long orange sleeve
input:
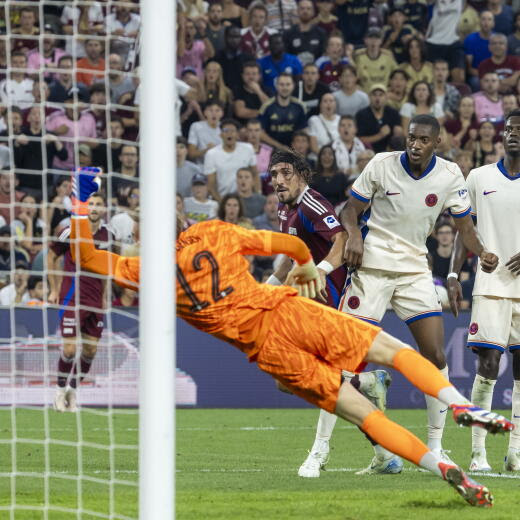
(292, 246)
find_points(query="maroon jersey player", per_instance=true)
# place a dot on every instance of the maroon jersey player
(83, 324)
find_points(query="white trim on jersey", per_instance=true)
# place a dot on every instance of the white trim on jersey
(311, 201)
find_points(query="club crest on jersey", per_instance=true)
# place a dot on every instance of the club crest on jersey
(353, 302)
(463, 193)
(473, 328)
(331, 221)
(431, 200)
(292, 231)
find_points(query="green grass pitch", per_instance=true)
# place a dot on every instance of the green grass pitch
(236, 464)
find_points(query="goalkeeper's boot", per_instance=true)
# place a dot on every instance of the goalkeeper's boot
(316, 460)
(472, 492)
(72, 402)
(470, 415)
(374, 386)
(383, 466)
(512, 460)
(479, 461)
(60, 400)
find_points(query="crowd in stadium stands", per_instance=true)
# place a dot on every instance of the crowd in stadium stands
(336, 80)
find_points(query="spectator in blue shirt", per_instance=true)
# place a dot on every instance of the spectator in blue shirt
(278, 61)
(503, 15)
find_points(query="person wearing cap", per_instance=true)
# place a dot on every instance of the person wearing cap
(16, 291)
(398, 34)
(50, 56)
(373, 64)
(378, 122)
(92, 66)
(199, 207)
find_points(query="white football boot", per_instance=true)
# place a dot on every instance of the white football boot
(512, 461)
(316, 460)
(383, 466)
(479, 461)
(374, 386)
(60, 400)
(72, 403)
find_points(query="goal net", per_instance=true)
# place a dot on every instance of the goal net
(70, 352)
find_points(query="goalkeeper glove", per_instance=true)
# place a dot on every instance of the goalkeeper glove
(306, 279)
(84, 183)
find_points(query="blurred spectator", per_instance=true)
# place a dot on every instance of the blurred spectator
(231, 59)
(328, 180)
(353, 19)
(215, 87)
(106, 155)
(277, 61)
(8, 194)
(397, 34)
(503, 16)
(416, 15)
(123, 223)
(476, 47)
(442, 40)
(446, 95)
(123, 25)
(509, 103)
(195, 51)
(347, 146)
(252, 202)
(10, 255)
(41, 93)
(349, 98)
(28, 224)
(249, 95)
(421, 101)
(255, 38)
(269, 218)
(233, 14)
(282, 115)
(415, 66)
(469, 21)
(16, 89)
(204, 135)
(63, 82)
(91, 62)
(186, 170)
(281, 14)
(71, 126)
(397, 88)
(332, 62)
(81, 20)
(199, 207)
(505, 65)
(377, 13)
(465, 121)
(127, 298)
(36, 290)
(262, 151)
(215, 28)
(28, 27)
(13, 127)
(118, 80)
(231, 210)
(325, 19)
(222, 162)
(128, 177)
(304, 39)
(513, 40)
(309, 89)
(98, 108)
(464, 160)
(84, 155)
(481, 143)
(374, 64)
(488, 106)
(362, 159)
(3, 57)
(16, 291)
(195, 9)
(29, 154)
(378, 122)
(323, 128)
(57, 213)
(50, 57)
(301, 143)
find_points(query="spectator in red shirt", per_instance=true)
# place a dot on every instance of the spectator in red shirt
(505, 65)
(255, 38)
(92, 61)
(28, 27)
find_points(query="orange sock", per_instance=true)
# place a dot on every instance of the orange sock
(423, 374)
(393, 437)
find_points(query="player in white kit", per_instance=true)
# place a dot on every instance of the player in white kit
(400, 195)
(494, 191)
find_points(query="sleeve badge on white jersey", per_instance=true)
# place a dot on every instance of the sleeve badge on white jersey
(331, 221)
(463, 193)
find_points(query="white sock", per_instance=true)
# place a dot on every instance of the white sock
(450, 395)
(430, 461)
(514, 436)
(382, 453)
(481, 395)
(326, 423)
(436, 418)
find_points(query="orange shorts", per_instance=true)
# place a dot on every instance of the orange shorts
(307, 346)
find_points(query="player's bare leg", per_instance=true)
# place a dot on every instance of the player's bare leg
(512, 462)
(429, 336)
(354, 407)
(65, 366)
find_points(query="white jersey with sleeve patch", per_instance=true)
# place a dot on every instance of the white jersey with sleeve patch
(403, 209)
(495, 201)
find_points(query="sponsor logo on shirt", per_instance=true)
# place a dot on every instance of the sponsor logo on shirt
(488, 192)
(292, 231)
(389, 193)
(431, 200)
(331, 221)
(463, 193)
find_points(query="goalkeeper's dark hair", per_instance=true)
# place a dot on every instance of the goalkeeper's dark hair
(299, 163)
(426, 120)
(513, 113)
